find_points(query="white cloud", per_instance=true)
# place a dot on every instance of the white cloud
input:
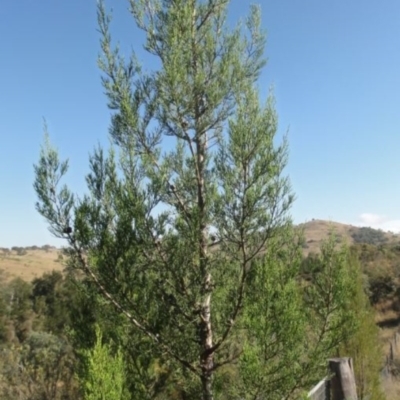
(393, 226)
(377, 221)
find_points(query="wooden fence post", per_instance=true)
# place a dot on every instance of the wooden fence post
(343, 382)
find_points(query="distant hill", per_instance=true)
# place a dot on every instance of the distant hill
(315, 231)
(33, 261)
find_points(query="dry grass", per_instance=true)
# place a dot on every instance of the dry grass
(30, 265)
(391, 388)
(386, 311)
(316, 231)
(385, 314)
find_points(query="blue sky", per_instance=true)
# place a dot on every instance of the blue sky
(335, 67)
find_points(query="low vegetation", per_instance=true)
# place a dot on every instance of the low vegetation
(57, 327)
(369, 236)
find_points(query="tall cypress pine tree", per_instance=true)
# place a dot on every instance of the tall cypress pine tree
(173, 238)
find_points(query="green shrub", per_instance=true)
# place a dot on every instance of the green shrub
(104, 376)
(368, 236)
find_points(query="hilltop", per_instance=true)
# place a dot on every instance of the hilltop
(316, 231)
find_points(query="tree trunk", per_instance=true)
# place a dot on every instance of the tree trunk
(201, 140)
(206, 356)
(206, 383)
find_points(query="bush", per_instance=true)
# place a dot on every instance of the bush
(46, 248)
(104, 377)
(380, 287)
(40, 369)
(368, 236)
(21, 251)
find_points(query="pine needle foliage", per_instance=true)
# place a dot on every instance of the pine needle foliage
(104, 377)
(182, 207)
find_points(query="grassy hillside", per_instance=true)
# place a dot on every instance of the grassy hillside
(318, 230)
(29, 263)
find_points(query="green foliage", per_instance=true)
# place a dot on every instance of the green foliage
(35, 364)
(36, 369)
(16, 313)
(363, 346)
(271, 363)
(164, 287)
(105, 375)
(21, 251)
(47, 248)
(174, 240)
(16, 297)
(328, 294)
(368, 236)
(380, 264)
(51, 300)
